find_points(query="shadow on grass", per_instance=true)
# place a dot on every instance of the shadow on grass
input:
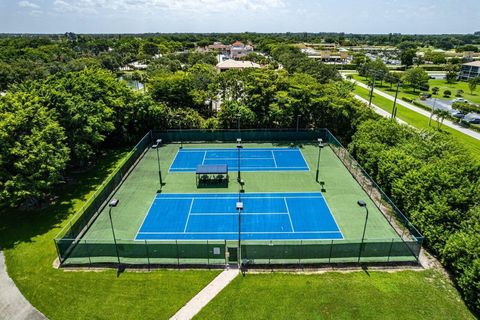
(18, 226)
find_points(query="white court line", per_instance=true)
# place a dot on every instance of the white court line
(264, 169)
(236, 213)
(274, 161)
(235, 198)
(301, 153)
(236, 232)
(188, 217)
(204, 156)
(289, 217)
(234, 149)
(241, 158)
(145, 218)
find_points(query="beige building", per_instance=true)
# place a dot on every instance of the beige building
(234, 64)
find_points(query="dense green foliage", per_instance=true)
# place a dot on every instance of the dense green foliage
(436, 183)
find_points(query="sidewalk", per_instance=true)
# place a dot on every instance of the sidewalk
(13, 305)
(421, 111)
(378, 110)
(194, 306)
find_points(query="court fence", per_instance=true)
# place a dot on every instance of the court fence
(72, 249)
(223, 252)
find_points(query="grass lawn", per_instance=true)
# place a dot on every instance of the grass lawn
(421, 122)
(356, 295)
(385, 87)
(440, 83)
(27, 239)
(453, 87)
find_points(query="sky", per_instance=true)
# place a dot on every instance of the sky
(139, 16)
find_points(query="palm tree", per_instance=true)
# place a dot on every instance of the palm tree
(440, 115)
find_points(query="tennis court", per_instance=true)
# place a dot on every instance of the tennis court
(265, 216)
(251, 159)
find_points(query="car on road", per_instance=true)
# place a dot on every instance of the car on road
(459, 100)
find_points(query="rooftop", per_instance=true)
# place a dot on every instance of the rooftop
(230, 64)
(473, 64)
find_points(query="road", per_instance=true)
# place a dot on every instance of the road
(421, 111)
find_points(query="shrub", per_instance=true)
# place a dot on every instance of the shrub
(447, 93)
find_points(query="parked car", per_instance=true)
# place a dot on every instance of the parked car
(457, 114)
(459, 100)
(425, 96)
(472, 118)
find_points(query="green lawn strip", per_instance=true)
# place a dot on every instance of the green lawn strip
(453, 87)
(439, 83)
(27, 239)
(386, 88)
(357, 295)
(420, 121)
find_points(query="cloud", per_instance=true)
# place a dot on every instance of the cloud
(28, 4)
(145, 6)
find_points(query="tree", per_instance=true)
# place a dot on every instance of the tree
(417, 78)
(440, 115)
(150, 48)
(228, 116)
(447, 93)
(407, 56)
(435, 90)
(33, 153)
(173, 89)
(472, 84)
(452, 73)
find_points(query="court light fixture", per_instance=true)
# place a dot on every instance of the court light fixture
(113, 203)
(362, 204)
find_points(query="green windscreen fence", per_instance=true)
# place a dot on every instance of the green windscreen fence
(74, 250)
(271, 135)
(213, 252)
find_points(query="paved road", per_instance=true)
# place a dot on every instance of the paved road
(13, 305)
(421, 111)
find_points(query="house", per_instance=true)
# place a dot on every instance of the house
(234, 64)
(469, 70)
(239, 50)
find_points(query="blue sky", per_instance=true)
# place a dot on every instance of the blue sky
(131, 16)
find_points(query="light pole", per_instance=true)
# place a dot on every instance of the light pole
(362, 203)
(433, 110)
(239, 254)
(239, 146)
(320, 146)
(157, 146)
(394, 109)
(238, 121)
(371, 91)
(111, 204)
(179, 117)
(298, 121)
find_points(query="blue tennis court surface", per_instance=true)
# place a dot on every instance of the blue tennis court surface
(251, 159)
(266, 216)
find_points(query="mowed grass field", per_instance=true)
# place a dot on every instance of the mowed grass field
(27, 240)
(357, 295)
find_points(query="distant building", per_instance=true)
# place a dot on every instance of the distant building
(234, 64)
(239, 50)
(470, 70)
